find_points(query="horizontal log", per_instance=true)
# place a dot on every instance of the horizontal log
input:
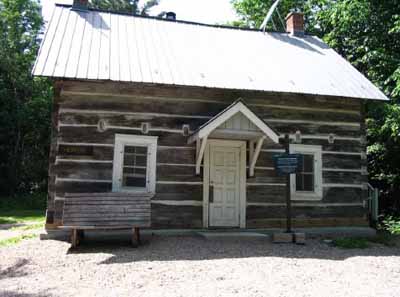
(266, 176)
(334, 177)
(172, 216)
(176, 156)
(98, 171)
(132, 91)
(188, 196)
(308, 128)
(339, 194)
(270, 194)
(92, 135)
(193, 190)
(63, 187)
(128, 120)
(177, 173)
(338, 145)
(98, 153)
(342, 161)
(277, 212)
(308, 222)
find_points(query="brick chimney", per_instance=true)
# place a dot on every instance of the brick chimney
(81, 5)
(295, 23)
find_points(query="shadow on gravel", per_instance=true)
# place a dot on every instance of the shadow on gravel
(196, 248)
(17, 270)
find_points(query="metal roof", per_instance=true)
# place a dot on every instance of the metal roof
(98, 45)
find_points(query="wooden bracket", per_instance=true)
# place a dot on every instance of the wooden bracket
(200, 152)
(254, 155)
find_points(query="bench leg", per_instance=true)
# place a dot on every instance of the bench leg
(74, 238)
(135, 237)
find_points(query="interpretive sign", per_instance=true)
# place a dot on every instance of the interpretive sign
(287, 163)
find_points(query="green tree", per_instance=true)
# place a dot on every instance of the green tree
(25, 103)
(253, 12)
(131, 6)
(366, 33)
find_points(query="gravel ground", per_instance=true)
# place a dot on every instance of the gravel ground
(194, 266)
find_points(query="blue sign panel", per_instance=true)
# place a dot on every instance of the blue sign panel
(287, 163)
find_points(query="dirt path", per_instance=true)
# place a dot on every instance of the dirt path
(194, 266)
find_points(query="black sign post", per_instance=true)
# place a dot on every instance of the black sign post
(288, 200)
(286, 164)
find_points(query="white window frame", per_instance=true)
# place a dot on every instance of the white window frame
(121, 140)
(316, 151)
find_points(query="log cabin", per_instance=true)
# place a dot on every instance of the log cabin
(193, 114)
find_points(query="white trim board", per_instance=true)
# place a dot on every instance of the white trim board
(123, 140)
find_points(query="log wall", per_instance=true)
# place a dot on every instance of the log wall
(87, 167)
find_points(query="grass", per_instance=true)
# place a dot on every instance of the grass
(351, 243)
(28, 227)
(21, 216)
(15, 240)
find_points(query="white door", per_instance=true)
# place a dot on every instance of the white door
(224, 193)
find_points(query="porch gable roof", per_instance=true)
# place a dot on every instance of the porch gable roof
(236, 107)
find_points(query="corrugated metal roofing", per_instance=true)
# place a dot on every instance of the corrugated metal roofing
(109, 46)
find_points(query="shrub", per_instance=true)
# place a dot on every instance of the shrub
(391, 224)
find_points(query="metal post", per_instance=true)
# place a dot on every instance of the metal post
(288, 200)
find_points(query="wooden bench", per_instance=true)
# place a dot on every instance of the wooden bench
(106, 211)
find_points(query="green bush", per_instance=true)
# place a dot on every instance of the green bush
(391, 224)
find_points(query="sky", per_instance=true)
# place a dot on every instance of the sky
(202, 11)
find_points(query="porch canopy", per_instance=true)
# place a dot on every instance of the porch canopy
(236, 122)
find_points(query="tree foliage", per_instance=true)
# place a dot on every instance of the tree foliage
(25, 102)
(130, 6)
(366, 33)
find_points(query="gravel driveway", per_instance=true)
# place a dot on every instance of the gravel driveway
(194, 266)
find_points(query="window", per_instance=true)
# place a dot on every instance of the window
(306, 184)
(134, 163)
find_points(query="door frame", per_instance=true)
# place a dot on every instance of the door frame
(242, 179)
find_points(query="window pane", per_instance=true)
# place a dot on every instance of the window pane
(131, 181)
(134, 170)
(299, 182)
(308, 163)
(308, 182)
(305, 174)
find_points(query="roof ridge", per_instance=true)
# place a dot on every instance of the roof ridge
(179, 21)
